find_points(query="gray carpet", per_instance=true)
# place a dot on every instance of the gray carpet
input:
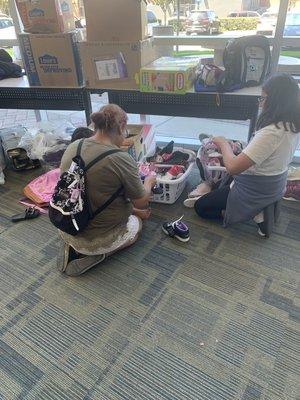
(214, 319)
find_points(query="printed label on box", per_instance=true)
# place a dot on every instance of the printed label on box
(111, 67)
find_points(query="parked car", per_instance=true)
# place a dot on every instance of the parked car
(244, 14)
(267, 24)
(152, 21)
(202, 22)
(7, 29)
(292, 24)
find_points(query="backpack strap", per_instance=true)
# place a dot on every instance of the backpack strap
(108, 202)
(79, 147)
(101, 157)
(116, 194)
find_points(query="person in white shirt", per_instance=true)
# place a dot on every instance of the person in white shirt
(260, 171)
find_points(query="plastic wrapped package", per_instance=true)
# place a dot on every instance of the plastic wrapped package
(47, 141)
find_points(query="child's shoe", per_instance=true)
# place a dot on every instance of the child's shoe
(177, 229)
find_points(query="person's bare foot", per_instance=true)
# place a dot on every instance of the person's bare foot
(143, 214)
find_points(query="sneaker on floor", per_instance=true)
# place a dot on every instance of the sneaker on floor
(177, 229)
(200, 190)
(83, 264)
(190, 201)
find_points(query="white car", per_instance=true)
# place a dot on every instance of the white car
(267, 24)
(7, 29)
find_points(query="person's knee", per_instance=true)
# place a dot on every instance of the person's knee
(200, 207)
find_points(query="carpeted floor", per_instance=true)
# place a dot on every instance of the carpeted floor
(214, 319)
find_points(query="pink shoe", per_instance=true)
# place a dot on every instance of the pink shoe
(200, 190)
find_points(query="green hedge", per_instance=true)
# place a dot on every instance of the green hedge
(174, 23)
(238, 24)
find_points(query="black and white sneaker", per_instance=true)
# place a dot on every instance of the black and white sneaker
(177, 229)
(261, 229)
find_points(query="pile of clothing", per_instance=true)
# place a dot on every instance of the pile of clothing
(166, 164)
(210, 161)
(210, 153)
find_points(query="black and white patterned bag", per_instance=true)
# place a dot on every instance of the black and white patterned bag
(70, 209)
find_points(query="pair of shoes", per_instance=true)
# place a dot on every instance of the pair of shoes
(177, 229)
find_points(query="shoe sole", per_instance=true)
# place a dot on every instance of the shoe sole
(190, 202)
(290, 199)
(184, 240)
(62, 257)
(85, 269)
(261, 234)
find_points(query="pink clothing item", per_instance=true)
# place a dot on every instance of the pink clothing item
(28, 203)
(41, 189)
(146, 169)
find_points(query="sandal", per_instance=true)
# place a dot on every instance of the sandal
(29, 213)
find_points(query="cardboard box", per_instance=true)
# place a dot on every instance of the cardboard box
(46, 16)
(140, 142)
(169, 75)
(51, 60)
(115, 65)
(116, 20)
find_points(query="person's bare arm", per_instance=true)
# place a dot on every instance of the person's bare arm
(143, 202)
(233, 164)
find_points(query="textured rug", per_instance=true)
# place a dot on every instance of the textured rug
(214, 319)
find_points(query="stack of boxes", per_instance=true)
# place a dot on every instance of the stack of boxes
(117, 43)
(49, 46)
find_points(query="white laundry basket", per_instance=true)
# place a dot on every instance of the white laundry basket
(172, 189)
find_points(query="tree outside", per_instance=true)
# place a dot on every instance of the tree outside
(4, 6)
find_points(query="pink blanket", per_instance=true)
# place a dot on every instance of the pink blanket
(41, 189)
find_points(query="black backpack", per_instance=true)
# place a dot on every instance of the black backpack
(247, 62)
(70, 209)
(8, 69)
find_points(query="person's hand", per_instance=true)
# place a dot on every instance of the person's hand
(150, 181)
(143, 214)
(219, 141)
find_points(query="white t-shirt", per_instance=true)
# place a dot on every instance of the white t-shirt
(272, 150)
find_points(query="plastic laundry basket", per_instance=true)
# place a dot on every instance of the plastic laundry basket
(172, 189)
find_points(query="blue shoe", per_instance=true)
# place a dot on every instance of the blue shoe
(177, 229)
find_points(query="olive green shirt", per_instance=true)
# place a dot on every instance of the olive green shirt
(104, 179)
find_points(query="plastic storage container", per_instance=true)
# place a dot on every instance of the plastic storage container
(173, 189)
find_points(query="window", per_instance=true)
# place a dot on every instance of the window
(5, 23)
(151, 17)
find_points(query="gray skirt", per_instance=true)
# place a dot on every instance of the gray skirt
(250, 194)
